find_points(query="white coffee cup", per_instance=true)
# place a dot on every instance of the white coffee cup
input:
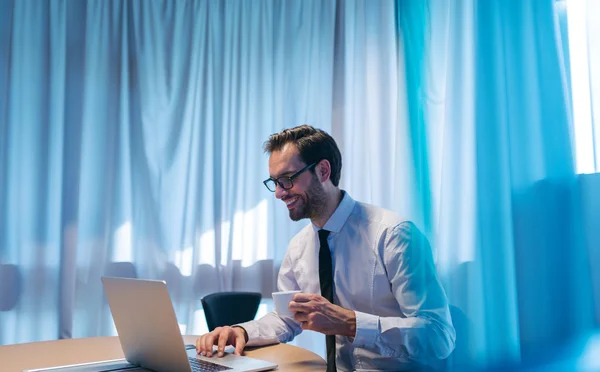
(282, 302)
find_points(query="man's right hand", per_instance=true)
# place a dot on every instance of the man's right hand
(222, 336)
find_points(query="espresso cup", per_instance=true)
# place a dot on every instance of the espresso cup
(282, 301)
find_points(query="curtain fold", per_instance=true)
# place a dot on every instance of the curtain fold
(505, 194)
(132, 132)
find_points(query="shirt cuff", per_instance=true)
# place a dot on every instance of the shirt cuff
(253, 331)
(367, 329)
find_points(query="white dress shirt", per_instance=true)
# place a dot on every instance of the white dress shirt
(383, 270)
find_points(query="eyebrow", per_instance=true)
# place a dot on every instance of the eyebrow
(285, 174)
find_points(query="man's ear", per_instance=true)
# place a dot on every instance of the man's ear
(323, 170)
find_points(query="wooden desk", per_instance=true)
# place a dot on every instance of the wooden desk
(15, 358)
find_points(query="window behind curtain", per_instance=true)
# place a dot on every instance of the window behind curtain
(579, 22)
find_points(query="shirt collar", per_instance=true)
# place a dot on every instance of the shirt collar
(339, 216)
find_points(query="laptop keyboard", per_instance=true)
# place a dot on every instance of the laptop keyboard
(199, 365)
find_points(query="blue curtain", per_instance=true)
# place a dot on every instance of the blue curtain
(131, 143)
(489, 113)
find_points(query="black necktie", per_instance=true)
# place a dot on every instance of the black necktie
(326, 280)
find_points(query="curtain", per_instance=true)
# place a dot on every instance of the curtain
(592, 24)
(491, 122)
(132, 140)
(578, 23)
(131, 134)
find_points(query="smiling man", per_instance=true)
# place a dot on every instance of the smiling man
(367, 276)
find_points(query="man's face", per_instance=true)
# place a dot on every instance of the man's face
(307, 198)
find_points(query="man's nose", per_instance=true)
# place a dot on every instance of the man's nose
(280, 192)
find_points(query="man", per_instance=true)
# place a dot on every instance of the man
(367, 276)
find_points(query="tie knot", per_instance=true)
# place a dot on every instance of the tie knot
(323, 234)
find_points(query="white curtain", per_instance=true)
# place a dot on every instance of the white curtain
(132, 132)
(579, 22)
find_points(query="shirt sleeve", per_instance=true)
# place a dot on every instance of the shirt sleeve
(271, 329)
(425, 334)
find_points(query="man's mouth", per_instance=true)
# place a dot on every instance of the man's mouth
(291, 202)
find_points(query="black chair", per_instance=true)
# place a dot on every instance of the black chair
(228, 308)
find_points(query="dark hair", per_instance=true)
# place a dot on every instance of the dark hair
(313, 145)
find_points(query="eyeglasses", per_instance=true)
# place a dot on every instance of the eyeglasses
(285, 182)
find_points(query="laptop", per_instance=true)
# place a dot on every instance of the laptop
(150, 336)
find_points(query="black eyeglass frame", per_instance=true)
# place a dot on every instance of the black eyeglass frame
(276, 181)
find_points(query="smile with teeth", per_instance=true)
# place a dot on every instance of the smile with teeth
(291, 201)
